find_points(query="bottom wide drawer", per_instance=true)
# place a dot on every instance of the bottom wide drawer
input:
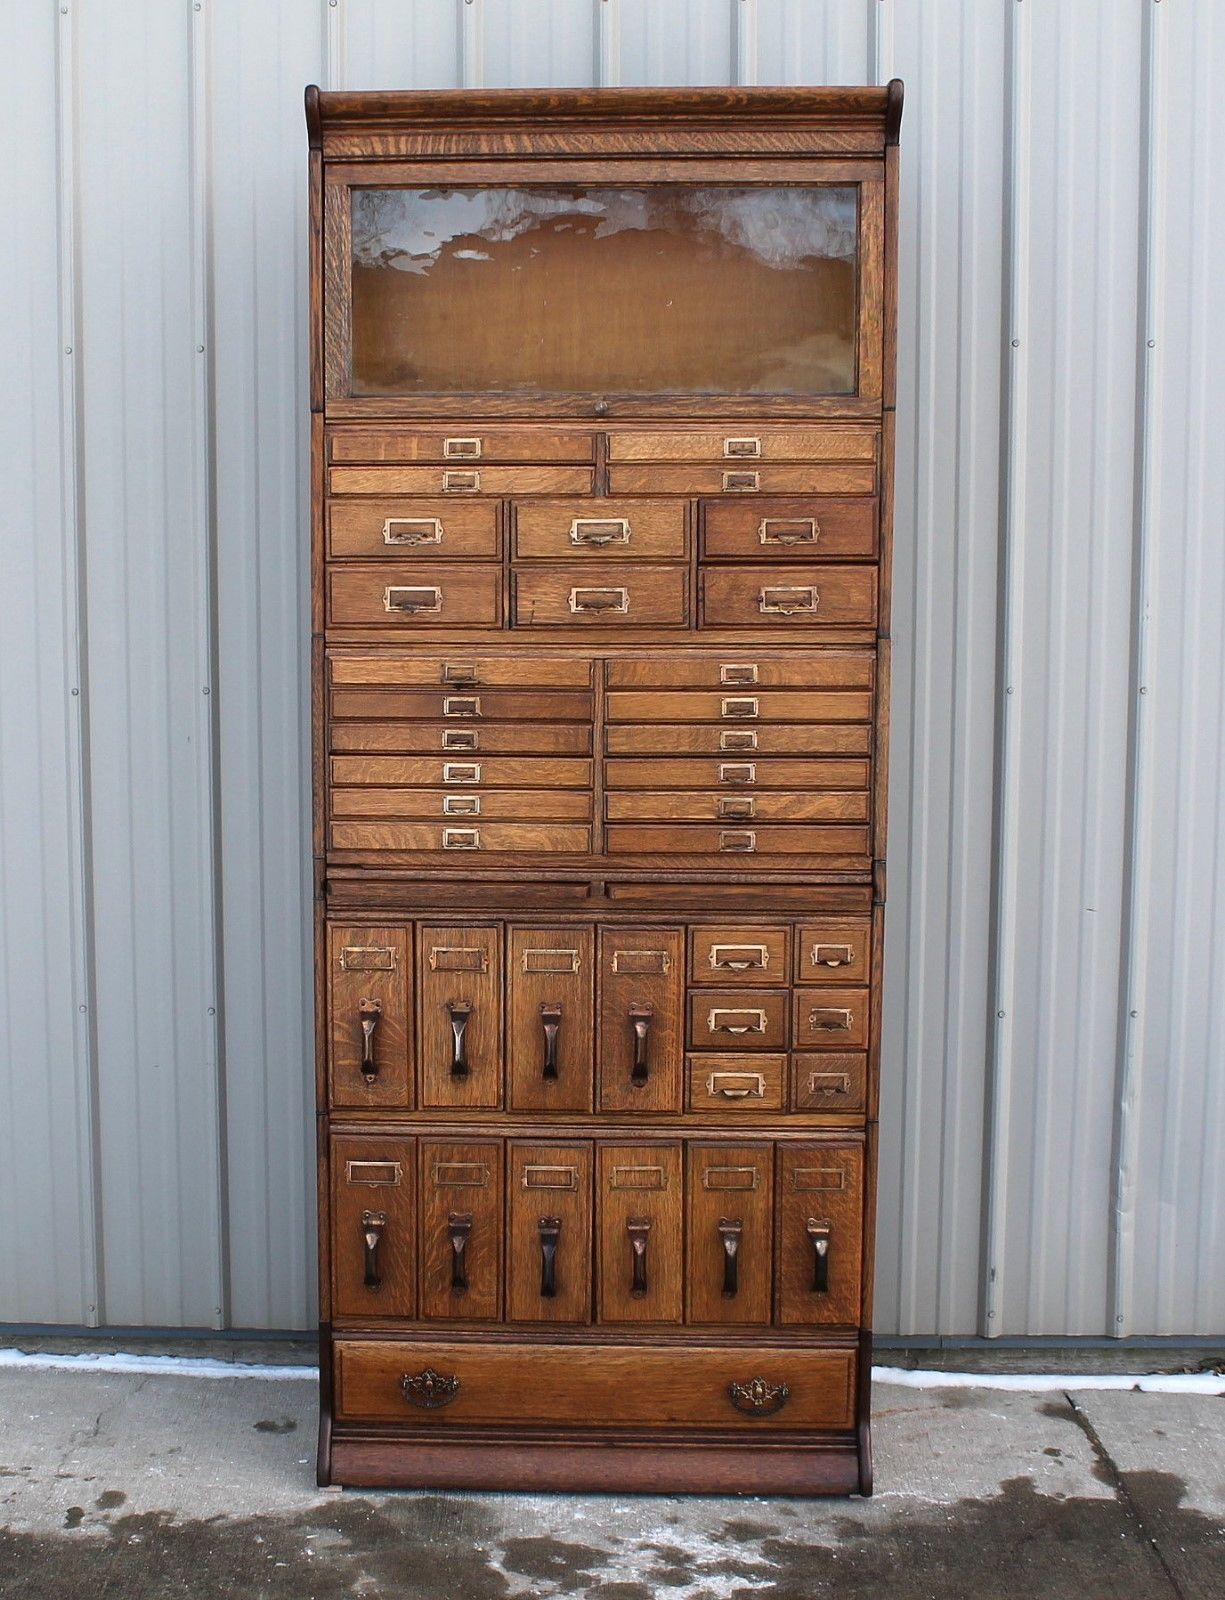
(594, 1386)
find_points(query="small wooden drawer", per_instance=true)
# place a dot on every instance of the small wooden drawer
(461, 446)
(413, 530)
(754, 597)
(733, 444)
(459, 670)
(745, 668)
(734, 773)
(819, 1219)
(374, 1227)
(462, 837)
(461, 707)
(736, 840)
(499, 738)
(554, 530)
(497, 805)
(834, 951)
(829, 1082)
(734, 706)
(730, 1019)
(434, 596)
(788, 530)
(737, 1083)
(809, 739)
(609, 597)
(692, 805)
(745, 954)
(435, 1384)
(460, 479)
(731, 477)
(459, 772)
(830, 1019)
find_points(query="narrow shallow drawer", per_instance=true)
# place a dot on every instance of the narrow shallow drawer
(430, 772)
(428, 1383)
(754, 597)
(788, 530)
(432, 596)
(746, 668)
(460, 479)
(407, 805)
(561, 529)
(731, 1019)
(743, 444)
(809, 739)
(460, 445)
(738, 705)
(549, 838)
(613, 596)
(413, 530)
(830, 1019)
(421, 738)
(692, 805)
(730, 478)
(749, 955)
(462, 670)
(834, 951)
(829, 1082)
(737, 1083)
(771, 840)
(454, 707)
(736, 773)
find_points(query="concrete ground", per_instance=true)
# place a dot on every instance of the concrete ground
(151, 1486)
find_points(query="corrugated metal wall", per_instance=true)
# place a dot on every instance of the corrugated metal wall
(1054, 1091)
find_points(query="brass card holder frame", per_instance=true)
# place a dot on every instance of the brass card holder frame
(416, 530)
(415, 598)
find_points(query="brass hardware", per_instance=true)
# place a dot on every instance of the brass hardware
(830, 1019)
(640, 1020)
(641, 961)
(459, 1226)
(461, 838)
(541, 1177)
(461, 482)
(788, 602)
(730, 1231)
(458, 958)
(550, 961)
(747, 706)
(818, 1178)
(737, 772)
(461, 805)
(550, 1019)
(367, 958)
(755, 1023)
(412, 598)
(757, 1398)
(737, 1085)
(740, 840)
(791, 530)
(413, 530)
(638, 1229)
(832, 955)
(730, 1178)
(600, 530)
(739, 957)
(736, 807)
(460, 1014)
(461, 772)
(829, 1083)
(374, 1173)
(373, 1223)
(738, 672)
(460, 739)
(462, 674)
(461, 705)
(461, 449)
(369, 1012)
(637, 1178)
(819, 1233)
(738, 739)
(741, 482)
(459, 1175)
(607, 599)
(428, 1389)
(742, 447)
(550, 1233)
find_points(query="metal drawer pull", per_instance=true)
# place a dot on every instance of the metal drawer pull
(461, 705)
(375, 1173)
(550, 1021)
(638, 1229)
(405, 597)
(640, 1020)
(829, 1083)
(462, 674)
(550, 961)
(412, 530)
(738, 739)
(742, 447)
(819, 1233)
(461, 772)
(788, 530)
(741, 482)
(461, 805)
(832, 955)
(788, 602)
(738, 672)
(737, 772)
(830, 1019)
(459, 1226)
(461, 482)
(460, 739)
(428, 1389)
(747, 706)
(757, 1398)
(458, 958)
(600, 530)
(730, 1231)
(750, 1020)
(739, 957)
(369, 1012)
(373, 1223)
(461, 838)
(641, 961)
(611, 599)
(461, 449)
(550, 1233)
(367, 958)
(737, 1085)
(736, 808)
(743, 840)
(460, 1013)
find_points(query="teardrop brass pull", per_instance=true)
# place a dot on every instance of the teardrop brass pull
(369, 1012)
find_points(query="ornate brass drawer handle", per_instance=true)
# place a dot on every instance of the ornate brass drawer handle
(459, 1228)
(740, 840)
(429, 1389)
(460, 674)
(595, 600)
(461, 772)
(741, 482)
(461, 838)
(832, 955)
(738, 739)
(737, 772)
(373, 1223)
(739, 957)
(461, 739)
(738, 672)
(736, 807)
(742, 447)
(751, 1019)
(819, 1236)
(730, 1231)
(369, 1013)
(788, 530)
(412, 530)
(413, 599)
(460, 1013)
(757, 1398)
(788, 602)
(550, 1022)
(461, 705)
(737, 1085)
(461, 805)
(550, 1234)
(831, 1019)
(461, 449)
(829, 1083)
(740, 707)
(640, 1020)
(600, 530)
(639, 1229)
(461, 482)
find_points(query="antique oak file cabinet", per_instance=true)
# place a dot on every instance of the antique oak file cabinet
(602, 432)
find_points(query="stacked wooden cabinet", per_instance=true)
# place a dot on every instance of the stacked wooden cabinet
(602, 426)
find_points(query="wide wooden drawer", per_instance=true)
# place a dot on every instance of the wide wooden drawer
(771, 840)
(613, 596)
(561, 529)
(433, 596)
(738, 705)
(830, 1019)
(829, 1082)
(439, 1384)
(743, 444)
(478, 479)
(734, 773)
(460, 446)
(834, 951)
(426, 772)
(753, 597)
(461, 836)
(500, 804)
(747, 954)
(727, 478)
(418, 738)
(413, 530)
(789, 530)
(463, 671)
(731, 1019)
(809, 739)
(465, 705)
(745, 668)
(827, 805)
(731, 1082)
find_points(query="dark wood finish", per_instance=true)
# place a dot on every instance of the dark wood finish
(459, 981)
(820, 1198)
(374, 1199)
(370, 995)
(461, 1230)
(642, 1020)
(549, 1209)
(640, 1222)
(550, 1019)
(729, 1219)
